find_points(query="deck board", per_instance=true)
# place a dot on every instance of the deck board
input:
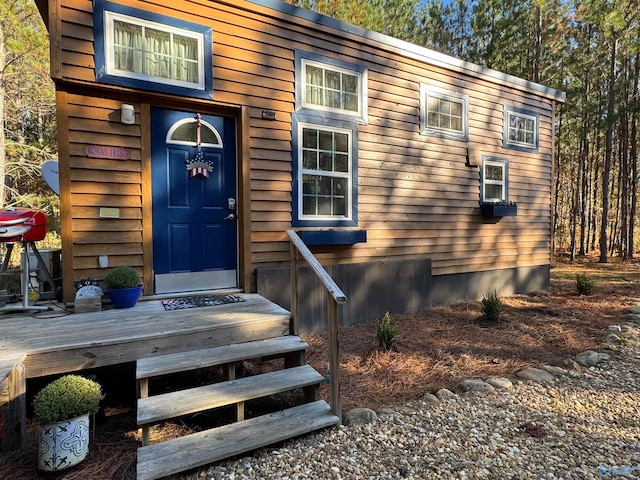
(77, 341)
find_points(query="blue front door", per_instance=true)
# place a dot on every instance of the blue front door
(194, 215)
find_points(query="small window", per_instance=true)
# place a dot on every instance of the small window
(331, 87)
(443, 113)
(520, 129)
(140, 49)
(494, 180)
(324, 173)
(184, 132)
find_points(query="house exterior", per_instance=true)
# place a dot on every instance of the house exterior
(194, 133)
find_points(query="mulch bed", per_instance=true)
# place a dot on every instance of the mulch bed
(435, 349)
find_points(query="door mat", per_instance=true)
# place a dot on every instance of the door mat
(199, 301)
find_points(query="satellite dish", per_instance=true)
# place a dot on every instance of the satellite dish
(50, 174)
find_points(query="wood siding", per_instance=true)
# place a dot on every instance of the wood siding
(417, 195)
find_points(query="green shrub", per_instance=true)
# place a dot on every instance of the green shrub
(584, 285)
(122, 277)
(491, 307)
(387, 332)
(66, 398)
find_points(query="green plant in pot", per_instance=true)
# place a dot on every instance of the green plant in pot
(62, 409)
(124, 286)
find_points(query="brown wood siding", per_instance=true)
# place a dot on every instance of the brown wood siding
(106, 183)
(417, 195)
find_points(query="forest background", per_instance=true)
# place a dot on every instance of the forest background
(589, 49)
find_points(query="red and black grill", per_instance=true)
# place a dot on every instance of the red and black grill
(22, 225)
(25, 226)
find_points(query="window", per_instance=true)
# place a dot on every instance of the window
(443, 114)
(184, 132)
(324, 172)
(520, 129)
(333, 87)
(494, 180)
(144, 50)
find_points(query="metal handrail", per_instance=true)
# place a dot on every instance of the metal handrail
(335, 296)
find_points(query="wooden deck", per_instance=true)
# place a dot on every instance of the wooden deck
(46, 346)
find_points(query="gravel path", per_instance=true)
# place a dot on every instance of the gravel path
(581, 425)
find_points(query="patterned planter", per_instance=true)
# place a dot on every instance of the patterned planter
(64, 444)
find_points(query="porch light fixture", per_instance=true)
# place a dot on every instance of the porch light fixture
(127, 114)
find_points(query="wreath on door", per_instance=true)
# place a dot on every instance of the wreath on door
(198, 165)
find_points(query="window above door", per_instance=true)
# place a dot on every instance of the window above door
(140, 49)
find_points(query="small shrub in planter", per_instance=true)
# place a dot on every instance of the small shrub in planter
(387, 332)
(124, 286)
(584, 285)
(122, 277)
(62, 410)
(491, 307)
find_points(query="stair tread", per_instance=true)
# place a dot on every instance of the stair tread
(174, 404)
(209, 357)
(209, 446)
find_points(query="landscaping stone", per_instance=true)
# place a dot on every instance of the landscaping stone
(573, 365)
(535, 375)
(500, 383)
(359, 416)
(431, 399)
(589, 358)
(445, 395)
(476, 386)
(553, 370)
(613, 338)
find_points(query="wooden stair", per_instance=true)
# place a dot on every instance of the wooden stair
(191, 451)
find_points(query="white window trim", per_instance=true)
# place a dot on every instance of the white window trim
(109, 18)
(496, 163)
(348, 174)
(179, 123)
(512, 143)
(437, 92)
(362, 87)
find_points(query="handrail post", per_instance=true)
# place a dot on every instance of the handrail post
(335, 296)
(295, 317)
(334, 357)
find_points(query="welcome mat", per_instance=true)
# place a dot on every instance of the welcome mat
(200, 301)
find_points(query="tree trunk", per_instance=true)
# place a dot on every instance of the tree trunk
(3, 151)
(606, 172)
(633, 159)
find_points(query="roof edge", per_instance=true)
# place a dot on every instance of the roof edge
(411, 50)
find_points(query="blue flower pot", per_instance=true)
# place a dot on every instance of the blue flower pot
(125, 297)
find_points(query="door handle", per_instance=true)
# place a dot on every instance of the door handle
(231, 216)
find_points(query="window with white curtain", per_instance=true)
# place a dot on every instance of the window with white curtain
(149, 51)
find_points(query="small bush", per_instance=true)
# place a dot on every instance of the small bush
(66, 398)
(491, 307)
(387, 332)
(122, 277)
(584, 285)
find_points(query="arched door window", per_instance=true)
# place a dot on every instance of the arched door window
(184, 132)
